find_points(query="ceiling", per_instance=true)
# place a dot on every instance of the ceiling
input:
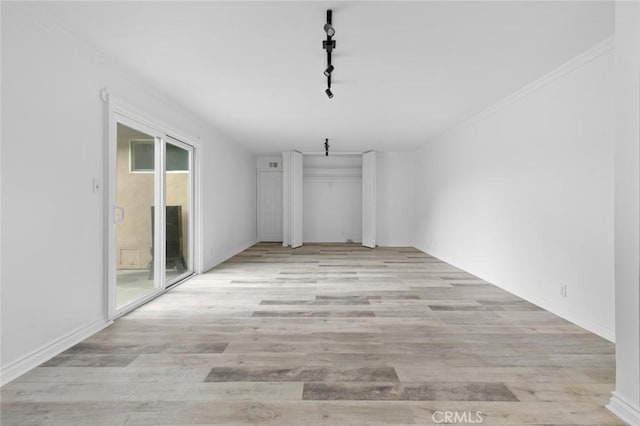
(404, 71)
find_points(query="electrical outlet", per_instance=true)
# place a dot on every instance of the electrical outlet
(563, 290)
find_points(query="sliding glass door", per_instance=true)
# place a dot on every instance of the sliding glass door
(178, 221)
(150, 248)
(133, 215)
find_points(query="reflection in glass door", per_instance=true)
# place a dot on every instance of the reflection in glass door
(133, 215)
(178, 210)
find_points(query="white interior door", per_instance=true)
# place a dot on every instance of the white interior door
(369, 199)
(270, 206)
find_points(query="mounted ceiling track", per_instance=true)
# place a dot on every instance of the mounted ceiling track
(329, 44)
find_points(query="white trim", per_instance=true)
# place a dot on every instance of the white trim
(546, 304)
(584, 58)
(33, 359)
(198, 237)
(565, 313)
(297, 197)
(286, 198)
(106, 204)
(127, 109)
(239, 248)
(624, 409)
(369, 209)
(111, 139)
(258, 171)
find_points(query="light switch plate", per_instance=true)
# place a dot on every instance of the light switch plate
(96, 185)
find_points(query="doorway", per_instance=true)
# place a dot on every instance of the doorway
(339, 198)
(332, 199)
(150, 249)
(270, 206)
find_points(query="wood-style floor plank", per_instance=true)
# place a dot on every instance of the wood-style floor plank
(327, 334)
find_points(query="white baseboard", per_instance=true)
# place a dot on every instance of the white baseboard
(624, 409)
(212, 263)
(30, 361)
(562, 311)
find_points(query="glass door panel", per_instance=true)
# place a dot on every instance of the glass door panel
(178, 223)
(134, 229)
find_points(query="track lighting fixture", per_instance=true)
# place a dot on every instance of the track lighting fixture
(326, 146)
(328, 71)
(329, 45)
(329, 30)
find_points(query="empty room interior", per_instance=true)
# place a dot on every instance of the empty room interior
(320, 213)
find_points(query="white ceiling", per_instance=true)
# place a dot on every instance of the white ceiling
(405, 71)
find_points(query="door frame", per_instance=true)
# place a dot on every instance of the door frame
(118, 111)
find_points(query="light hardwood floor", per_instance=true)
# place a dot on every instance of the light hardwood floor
(329, 334)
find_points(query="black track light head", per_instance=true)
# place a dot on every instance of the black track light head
(328, 71)
(328, 45)
(328, 28)
(326, 147)
(329, 93)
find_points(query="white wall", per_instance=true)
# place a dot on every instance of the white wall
(395, 191)
(229, 199)
(271, 162)
(332, 209)
(53, 283)
(333, 198)
(522, 195)
(626, 398)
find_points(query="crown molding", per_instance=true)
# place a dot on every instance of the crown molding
(568, 67)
